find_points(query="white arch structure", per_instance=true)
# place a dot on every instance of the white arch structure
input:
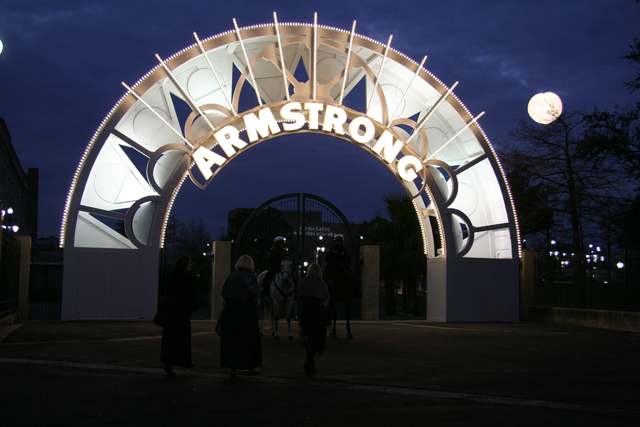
(292, 79)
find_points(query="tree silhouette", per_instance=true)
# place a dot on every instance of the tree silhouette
(617, 134)
(402, 258)
(574, 180)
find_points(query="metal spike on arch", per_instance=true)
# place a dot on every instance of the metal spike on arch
(413, 124)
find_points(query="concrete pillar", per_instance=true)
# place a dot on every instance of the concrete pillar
(25, 275)
(221, 270)
(437, 289)
(370, 301)
(528, 281)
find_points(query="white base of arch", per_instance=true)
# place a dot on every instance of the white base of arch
(473, 290)
(110, 284)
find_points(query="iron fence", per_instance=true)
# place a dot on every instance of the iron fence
(44, 310)
(9, 272)
(611, 281)
(45, 281)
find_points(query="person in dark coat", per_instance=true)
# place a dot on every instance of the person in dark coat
(276, 253)
(240, 345)
(313, 300)
(180, 300)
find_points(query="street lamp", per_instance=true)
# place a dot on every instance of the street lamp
(6, 220)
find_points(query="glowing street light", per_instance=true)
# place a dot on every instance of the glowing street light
(6, 221)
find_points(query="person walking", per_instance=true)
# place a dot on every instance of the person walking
(180, 300)
(313, 300)
(240, 345)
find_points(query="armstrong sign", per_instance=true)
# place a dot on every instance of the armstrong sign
(294, 116)
(304, 77)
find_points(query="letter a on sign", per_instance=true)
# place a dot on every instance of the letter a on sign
(205, 159)
(228, 137)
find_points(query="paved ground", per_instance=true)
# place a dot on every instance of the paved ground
(392, 373)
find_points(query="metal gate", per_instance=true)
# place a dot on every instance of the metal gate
(307, 222)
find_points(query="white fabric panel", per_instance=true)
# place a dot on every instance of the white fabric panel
(114, 182)
(91, 233)
(142, 221)
(144, 127)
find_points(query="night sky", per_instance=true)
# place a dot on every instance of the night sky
(63, 63)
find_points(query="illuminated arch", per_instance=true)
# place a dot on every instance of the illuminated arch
(409, 120)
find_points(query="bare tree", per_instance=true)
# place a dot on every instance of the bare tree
(617, 134)
(185, 239)
(634, 56)
(535, 217)
(577, 180)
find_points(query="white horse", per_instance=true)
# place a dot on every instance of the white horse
(280, 295)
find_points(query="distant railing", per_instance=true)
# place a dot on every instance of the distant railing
(45, 284)
(611, 282)
(9, 272)
(44, 310)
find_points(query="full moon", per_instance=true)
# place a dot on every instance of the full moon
(544, 108)
(1, 46)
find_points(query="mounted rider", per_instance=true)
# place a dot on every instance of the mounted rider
(276, 254)
(338, 252)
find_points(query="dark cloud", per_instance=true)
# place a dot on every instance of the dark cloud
(63, 62)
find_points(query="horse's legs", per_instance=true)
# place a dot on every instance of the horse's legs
(261, 314)
(289, 305)
(275, 313)
(334, 319)
(347, 311)
(290, 335)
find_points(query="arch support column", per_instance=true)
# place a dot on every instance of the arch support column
(221, 270)
(370, 301)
